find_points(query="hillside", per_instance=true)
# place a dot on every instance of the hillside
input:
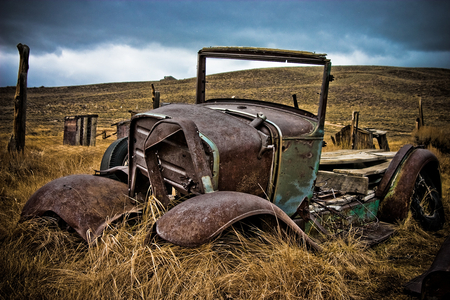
(387, 97)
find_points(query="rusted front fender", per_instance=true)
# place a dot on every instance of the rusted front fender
(386, 181)
(199, 219)
(397, 198)
(86, 203)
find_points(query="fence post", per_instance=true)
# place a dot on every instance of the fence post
(155, 97)
(294, 97)
(354, 129)
(17, 140)
(421, 124)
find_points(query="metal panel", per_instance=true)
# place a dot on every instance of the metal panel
(198, 219)
(298, 169)
(85, 202)
(239, 144)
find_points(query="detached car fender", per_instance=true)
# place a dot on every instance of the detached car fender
(86, 203)
(201, 218)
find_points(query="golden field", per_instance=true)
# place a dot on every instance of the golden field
(40, 261)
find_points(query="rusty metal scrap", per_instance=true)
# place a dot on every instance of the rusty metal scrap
(434, 283)
(201, 173)
(199, 219)
(231, 148)
(86, 203)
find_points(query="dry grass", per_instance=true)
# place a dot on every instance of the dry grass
(40, 261)
(437, 137)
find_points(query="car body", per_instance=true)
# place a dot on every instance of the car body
(230, 159)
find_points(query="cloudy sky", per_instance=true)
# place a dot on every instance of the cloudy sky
(86, 42)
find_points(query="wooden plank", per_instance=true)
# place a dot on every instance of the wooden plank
(78, 132)
(333, 158)
(93, 130)
(377, 169)
(84, 131)
(342, 182)
(383, 142)
(349, 151)
(376, 132)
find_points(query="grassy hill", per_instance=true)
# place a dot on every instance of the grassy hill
(387, 97)
(42, 262)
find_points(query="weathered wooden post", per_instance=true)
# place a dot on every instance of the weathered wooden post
(333, 140)
(419, 120)
(354, 129)
(294, 97)
(155, 97)
(17, 140)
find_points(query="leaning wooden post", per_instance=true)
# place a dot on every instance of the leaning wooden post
(17, 140)
(354, 129)
(294, 97)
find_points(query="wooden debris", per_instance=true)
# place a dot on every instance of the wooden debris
(342, 182)
(353, 137)
(354, 156)
(377, 169)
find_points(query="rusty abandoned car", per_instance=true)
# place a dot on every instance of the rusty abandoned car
(230, 159)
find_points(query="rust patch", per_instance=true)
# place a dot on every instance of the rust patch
(395, 205)
(86, 203)
(199, 219)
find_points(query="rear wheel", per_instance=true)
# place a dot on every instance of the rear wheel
(116, 155)
(426, 203)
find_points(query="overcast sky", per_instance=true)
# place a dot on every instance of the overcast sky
(87, 42)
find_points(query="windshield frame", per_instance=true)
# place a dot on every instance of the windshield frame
(265, 54)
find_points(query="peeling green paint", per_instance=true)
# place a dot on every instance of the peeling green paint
(298, 170)
(216, 160)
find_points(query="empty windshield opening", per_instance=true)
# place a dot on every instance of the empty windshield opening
(266, 81)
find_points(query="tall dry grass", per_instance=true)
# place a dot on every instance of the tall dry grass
(437, 137)
(40, 261)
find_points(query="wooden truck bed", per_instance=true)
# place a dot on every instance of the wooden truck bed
(345, 193)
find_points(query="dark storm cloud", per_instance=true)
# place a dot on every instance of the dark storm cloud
(47, 25)
(385, 29)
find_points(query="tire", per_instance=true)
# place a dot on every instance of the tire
(116, 155)
(426, 203)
